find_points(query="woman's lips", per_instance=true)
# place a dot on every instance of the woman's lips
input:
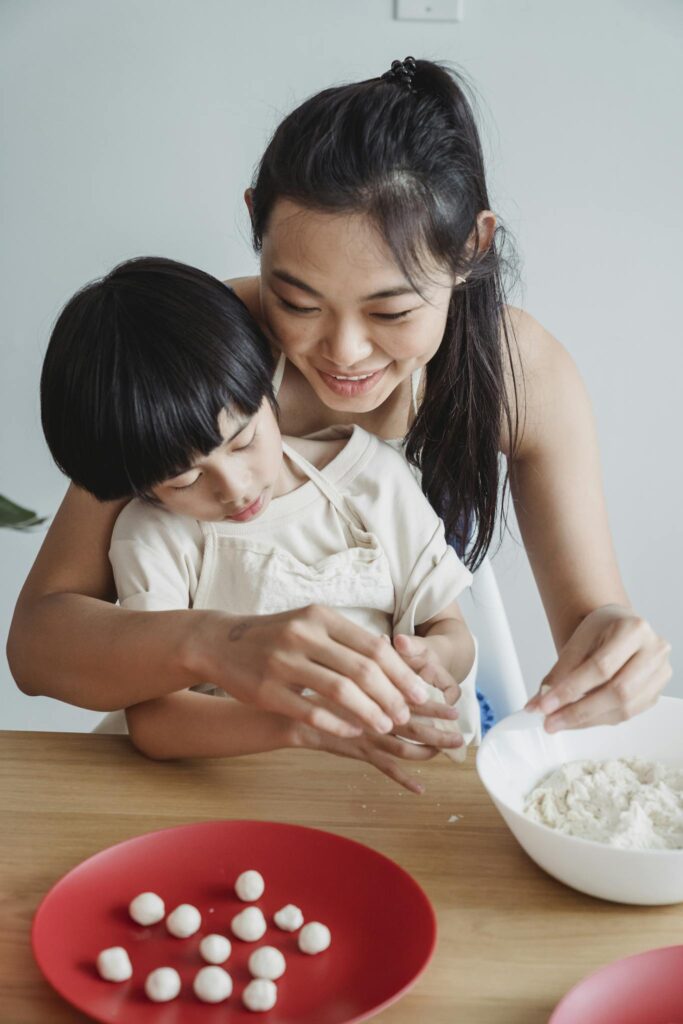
(249, 512)
(348, 386)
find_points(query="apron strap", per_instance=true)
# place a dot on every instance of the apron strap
(334, 496)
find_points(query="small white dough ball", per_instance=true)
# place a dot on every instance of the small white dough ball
(114, 964)
(215, 949)
(183, 921)
(162, 985)
(249, 925)
(212, 985)
(250, 886)
(289, 918)
(267, 962)
(260, 994)
(314, 938)
(147, 908)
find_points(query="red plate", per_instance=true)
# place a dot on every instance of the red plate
(383, 926)
(642, 989)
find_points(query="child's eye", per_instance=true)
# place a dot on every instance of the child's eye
(185, 487)
(297, 309)
(248, 444)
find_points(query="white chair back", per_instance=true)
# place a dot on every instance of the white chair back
(499, 675)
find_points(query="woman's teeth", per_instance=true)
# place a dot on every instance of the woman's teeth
(363, 377)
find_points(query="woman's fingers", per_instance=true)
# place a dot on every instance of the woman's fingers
(632, 690)
(373, 664)
(389, 767)
(284, 702)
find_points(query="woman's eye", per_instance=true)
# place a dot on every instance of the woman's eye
(392, 316)
(297, 309)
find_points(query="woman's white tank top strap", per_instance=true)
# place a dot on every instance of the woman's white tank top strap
(279, 372)
(415, 379)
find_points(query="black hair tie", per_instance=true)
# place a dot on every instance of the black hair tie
(402, 72)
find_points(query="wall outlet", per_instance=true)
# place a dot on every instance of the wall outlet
(429, 10)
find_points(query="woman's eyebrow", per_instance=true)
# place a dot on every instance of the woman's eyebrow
(290, 279)
(385, 293)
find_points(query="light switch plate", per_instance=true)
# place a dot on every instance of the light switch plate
(429, 10)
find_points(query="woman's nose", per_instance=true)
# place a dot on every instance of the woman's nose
(345, 344)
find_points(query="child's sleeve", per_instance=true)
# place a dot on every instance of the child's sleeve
(156, 558)
(427, 574)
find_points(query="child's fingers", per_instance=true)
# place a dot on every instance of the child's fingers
(387, 766)
(435, 709)
(398, 747)
(432, 735)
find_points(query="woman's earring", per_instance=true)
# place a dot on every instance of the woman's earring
(460, 280)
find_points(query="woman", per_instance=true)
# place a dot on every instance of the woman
(381, 291)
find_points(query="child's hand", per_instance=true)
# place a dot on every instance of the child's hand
(424, 655)
(384, 753)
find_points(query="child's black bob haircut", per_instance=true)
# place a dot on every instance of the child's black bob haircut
(138, 368)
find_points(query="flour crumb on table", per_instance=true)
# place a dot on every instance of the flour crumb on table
(314, 938)
(260, 994)
(626, 803)
(212, 984)
(184, 921)
(250, 886)
(249, 925)
(147, 908)
(215, 949)
(114, 964)
(162, 985)
(288, 918)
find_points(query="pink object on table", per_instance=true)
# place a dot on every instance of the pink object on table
(642, 989)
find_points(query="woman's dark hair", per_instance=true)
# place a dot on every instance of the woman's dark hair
(138, 368)
(405, 151)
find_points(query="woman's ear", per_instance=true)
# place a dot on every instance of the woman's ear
(249, 200)
(486, 229)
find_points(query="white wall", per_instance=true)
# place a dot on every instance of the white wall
(132, 126)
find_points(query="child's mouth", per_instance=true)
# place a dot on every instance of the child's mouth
(249, 511)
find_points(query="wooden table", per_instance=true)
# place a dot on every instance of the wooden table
(511, 939)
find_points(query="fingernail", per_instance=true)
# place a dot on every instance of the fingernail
(383, 723)
(402, 716)
(549, 704)
(419, 693)
(554, 724)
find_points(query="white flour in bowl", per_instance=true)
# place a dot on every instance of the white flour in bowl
(627, 803)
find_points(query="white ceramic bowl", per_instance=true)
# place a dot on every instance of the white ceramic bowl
(517, 753)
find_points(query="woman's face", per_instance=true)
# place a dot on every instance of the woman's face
(342, 310)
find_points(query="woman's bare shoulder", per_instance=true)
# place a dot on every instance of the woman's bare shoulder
(248, 290)
(537, 369)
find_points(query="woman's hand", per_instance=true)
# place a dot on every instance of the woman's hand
(267, 660)
(385, 753)
(613, 667)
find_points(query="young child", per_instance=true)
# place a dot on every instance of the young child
(157, 387)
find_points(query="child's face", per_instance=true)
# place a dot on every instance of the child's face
(236, 480)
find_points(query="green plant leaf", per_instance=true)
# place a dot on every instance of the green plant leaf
(17, 518)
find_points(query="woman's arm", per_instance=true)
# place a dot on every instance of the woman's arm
(69, 641)
(611, 664)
